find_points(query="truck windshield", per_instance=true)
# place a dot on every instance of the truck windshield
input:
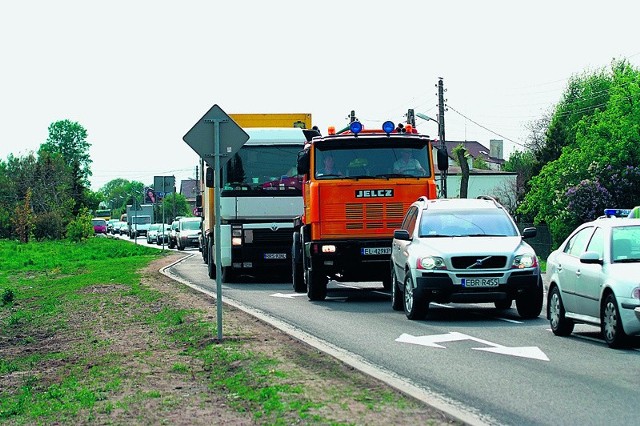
(263, 168)
(141, 220)
(371, 161)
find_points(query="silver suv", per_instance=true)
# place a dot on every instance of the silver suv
(464, 251)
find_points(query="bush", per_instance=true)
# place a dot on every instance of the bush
(49, 225)
(81, 227)
(7, 296)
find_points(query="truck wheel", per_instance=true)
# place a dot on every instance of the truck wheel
(386, 282)
(211, 267)
(297, 270)
(316, 285)
(227, 274)
(205, 252)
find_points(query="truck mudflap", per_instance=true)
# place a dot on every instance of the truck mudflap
(354, 260)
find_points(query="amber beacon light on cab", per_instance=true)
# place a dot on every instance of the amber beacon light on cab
(358, 183)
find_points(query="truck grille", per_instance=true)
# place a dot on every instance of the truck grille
(267, 236)
(379, 218)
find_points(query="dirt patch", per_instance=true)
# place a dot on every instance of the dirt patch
(163, 385)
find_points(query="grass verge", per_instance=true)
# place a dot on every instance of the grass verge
(90, 333)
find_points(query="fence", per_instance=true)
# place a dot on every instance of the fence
(541, 243)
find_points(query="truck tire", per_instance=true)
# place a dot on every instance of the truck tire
(297, 270)
(211, 266)
(205, 251)
(316, 285)
(228, 274)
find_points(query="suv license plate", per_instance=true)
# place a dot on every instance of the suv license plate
(479, 282)
(372, 251)
(275, 255)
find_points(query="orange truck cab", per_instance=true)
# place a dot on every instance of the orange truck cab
(357, 186)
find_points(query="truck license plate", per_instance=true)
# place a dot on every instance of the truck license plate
(372, 251)
(479, 282)
(275, 255)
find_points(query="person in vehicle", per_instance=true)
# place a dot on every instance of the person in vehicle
(328, 167)
(407, 164)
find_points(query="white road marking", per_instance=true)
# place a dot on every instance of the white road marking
(433, 341)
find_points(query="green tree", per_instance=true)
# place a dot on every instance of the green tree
(522, 163)
(22, 219)
(599, 164)
(461, 154)
(69, 140)
(174, 205)
(80, 228)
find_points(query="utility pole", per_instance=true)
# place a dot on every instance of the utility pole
(411, 118)
(443, 146)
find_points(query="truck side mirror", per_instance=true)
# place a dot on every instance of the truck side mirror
(443, 159)
(303, 162)
(208, 178)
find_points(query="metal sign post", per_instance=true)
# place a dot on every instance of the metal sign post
(199, 138)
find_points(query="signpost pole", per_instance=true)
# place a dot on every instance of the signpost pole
(216, 232)
(164, 222)
(199, 138)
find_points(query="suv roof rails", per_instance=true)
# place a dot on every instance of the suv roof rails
(490, 198)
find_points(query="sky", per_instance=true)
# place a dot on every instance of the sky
(137, 75)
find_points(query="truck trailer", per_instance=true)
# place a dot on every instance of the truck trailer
(139, 219)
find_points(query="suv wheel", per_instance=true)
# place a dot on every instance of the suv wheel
(529, 302)
(415, 306)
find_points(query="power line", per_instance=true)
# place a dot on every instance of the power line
(484, 127)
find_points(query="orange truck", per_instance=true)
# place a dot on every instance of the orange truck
(357, 186)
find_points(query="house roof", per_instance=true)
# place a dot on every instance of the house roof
(189, 188)
(474, 148)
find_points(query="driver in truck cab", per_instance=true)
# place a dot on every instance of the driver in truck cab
(407, 164)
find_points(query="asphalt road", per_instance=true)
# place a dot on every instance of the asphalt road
(487, 366)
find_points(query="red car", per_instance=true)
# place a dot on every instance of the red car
(99, 226)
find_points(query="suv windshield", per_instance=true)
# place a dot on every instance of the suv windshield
(466, 223)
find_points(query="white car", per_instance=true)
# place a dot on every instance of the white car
(152, 234)
(464, 251)
(594, 278)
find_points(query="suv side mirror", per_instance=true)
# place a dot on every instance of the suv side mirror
(529, 232)
(401, 234)
(443, 159)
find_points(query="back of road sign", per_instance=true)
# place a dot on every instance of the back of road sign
(201, 136)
